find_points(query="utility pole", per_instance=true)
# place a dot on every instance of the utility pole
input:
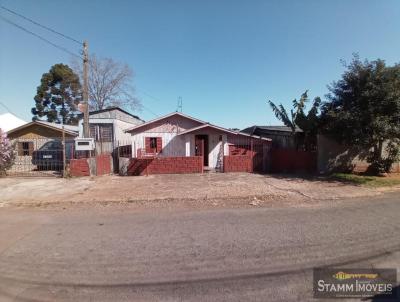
(85, 89)
(64, 150)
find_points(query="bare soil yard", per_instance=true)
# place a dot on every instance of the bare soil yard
(193, 190)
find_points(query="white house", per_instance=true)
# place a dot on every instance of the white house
(178, 135)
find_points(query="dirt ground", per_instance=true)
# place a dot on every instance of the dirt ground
(193, 190)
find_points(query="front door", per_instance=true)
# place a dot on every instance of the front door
(201, 147)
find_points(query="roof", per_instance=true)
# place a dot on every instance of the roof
(9, 121)
(202, 126)
(164, 117)
(254, 129)
(68, 129)
(114, 108)
(71, 128)
(220, 129)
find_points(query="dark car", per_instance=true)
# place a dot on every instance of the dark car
(50, 155)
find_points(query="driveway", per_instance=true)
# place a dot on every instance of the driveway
(189, 190)
(260, 254)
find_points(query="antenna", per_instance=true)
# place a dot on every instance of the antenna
(180, 104)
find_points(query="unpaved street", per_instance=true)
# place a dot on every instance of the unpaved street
(115, 253)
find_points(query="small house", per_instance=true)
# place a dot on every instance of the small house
(40, 135)
(179, 143)
(107, 127)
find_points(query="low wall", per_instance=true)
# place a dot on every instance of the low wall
(165, 165)
(79, 167)
(238, 163)
(335, 157)
(293, 161)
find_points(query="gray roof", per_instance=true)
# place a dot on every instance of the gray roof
(115, 108)
(256, 128)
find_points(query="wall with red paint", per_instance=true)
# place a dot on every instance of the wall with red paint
(238, 163)
(165, 165)
(293, 161)
(79, 167)
(103, 164)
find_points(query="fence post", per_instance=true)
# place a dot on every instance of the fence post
(202, 156)
(251, 155)
(64, 149)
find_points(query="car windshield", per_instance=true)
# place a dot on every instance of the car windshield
(53, 145)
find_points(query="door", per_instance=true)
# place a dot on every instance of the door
(201, 147)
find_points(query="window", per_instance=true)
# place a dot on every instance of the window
(106, 133)
(153, 144)
(101, 132)
(25, 148)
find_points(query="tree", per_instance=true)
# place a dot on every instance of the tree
(109, 84)
(7, 153)
(58, 95)
(281, 113)
(299, 119)
(363, 111)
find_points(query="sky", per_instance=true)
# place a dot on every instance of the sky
(224, 58)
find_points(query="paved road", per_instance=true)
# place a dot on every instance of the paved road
(115, 254)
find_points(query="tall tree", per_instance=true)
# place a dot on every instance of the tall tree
(58, 95)
(110, 84)
(363, 111)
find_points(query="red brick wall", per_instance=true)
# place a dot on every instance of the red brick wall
(103, 164)
(79, 167)
(238, 163)
(165, 165)
(292, 161)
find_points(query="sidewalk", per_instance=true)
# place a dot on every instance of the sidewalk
(230, 189)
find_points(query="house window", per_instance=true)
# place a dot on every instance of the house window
(153, 144)
(25, 148)
(101, 132)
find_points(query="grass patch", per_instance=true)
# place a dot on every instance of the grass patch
(368, 181)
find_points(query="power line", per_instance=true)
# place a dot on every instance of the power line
(58, 46)
(40, 37)
(40, 25)
(149, 95)
(147, 109)
(8, 109)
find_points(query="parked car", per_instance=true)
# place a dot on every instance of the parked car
(50, 155)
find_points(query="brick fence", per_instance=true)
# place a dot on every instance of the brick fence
(79, 167)
(165, 165)
(238, 163)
